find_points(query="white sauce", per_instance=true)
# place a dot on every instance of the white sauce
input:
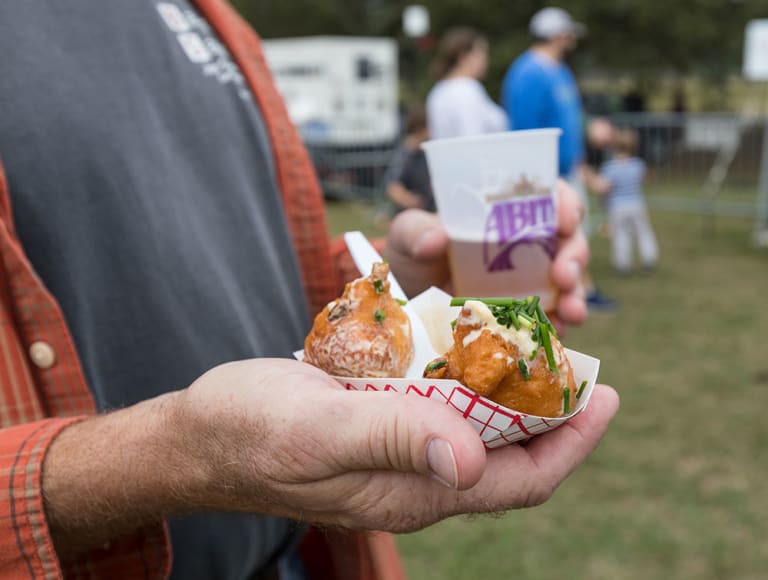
(480, 314)
(558, 356)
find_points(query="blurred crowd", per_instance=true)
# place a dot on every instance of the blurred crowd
(538, 91)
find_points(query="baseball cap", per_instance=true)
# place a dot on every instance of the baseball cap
(550, 22)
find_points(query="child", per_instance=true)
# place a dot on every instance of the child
(408, 183)
(621, 181)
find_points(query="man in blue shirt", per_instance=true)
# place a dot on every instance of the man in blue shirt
(540, 91)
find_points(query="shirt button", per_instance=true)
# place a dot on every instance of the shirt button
(42, 354)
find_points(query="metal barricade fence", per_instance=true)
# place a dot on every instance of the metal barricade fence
(353, 171)
(699, 163)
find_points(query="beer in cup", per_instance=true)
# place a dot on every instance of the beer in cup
(496, 198)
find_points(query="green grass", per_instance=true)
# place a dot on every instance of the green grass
(678, 487)
(344, 216)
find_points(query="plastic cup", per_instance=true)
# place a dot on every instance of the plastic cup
(496, 198)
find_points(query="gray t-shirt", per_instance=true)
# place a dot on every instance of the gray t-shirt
(626, 178)
(144, 193)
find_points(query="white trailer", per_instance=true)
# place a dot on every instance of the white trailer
(340, 91)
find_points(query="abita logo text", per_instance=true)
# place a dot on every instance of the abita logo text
(516, 221)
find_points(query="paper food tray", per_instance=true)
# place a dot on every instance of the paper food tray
(430, 314)
(497, 425)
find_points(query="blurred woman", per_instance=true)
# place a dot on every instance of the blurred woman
(458, 105)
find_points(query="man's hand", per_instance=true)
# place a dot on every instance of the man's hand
(417, 249)
(280, 437)
(284, 438)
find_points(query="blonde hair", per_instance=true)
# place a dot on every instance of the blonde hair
(625, 141)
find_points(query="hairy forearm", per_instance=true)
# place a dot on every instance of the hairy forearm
(108, 476)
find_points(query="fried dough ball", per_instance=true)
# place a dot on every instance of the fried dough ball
(489, 358)
(364, 333)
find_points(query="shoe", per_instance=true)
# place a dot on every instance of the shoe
(598, 301)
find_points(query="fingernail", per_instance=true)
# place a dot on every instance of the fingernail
(575, 270)
(421, 241)
(442, 463)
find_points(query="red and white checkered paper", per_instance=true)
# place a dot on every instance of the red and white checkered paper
(496, 425)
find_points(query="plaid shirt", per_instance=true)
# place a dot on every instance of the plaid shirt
(43, 389)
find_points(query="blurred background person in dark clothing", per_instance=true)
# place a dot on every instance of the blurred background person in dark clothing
(408, 183)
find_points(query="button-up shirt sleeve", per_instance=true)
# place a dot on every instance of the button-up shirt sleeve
(26, 546)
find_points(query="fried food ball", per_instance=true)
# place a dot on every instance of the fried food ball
(505, 364)
(364, 333)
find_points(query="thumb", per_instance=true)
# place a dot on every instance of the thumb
(411, 434)
(417, 234)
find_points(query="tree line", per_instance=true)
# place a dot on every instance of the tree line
(646, 38)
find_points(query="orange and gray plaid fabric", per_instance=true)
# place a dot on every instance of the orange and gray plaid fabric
(43, 389)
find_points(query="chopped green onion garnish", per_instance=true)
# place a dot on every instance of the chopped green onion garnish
(545, 338)
(453, 323)
(536, 334)
(378, 285)
(510, 312)
(523, 366)
(379, 315)
(566, 400)
(581, 389)
(525, 320)
(436, 365)
(489, 301)
(505, 316)
(401, 302)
